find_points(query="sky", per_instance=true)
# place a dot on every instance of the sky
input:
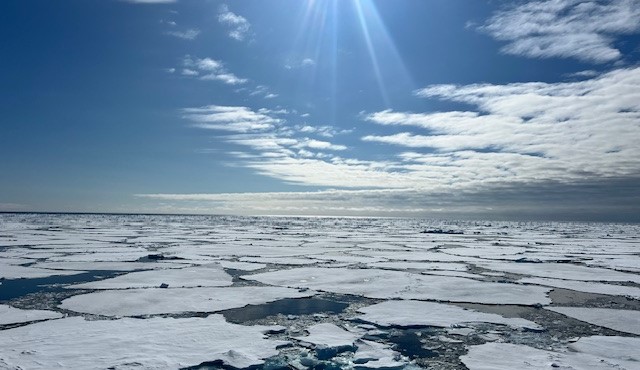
(517, 110)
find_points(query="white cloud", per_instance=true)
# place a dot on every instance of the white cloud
(189, 34)
(271, 96)
(239, 25)
(528, 132)
(210, 70)
(580, 29)
(234, 119)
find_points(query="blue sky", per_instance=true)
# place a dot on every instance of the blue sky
(466, 108)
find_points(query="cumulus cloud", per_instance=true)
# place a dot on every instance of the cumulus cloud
(580, 29)
(238, 25)
(208, 69)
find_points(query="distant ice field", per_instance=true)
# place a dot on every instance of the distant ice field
(142, 291)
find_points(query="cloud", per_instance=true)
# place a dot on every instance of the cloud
(528, 132)
(189, 34)
(208, 69)
(607, 201)
(235, 119)
(239, 26)
(585, 30)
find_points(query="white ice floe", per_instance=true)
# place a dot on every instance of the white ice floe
(627, 321)
(328, 335)
(586, 286)
(416, 313)
(560, 271)
(12, 315)
(373, 355)
(375, 283)
(137, 302)
(244, 266)
(402, 265)
(102, 266)
(592, 353)
(200, 276)
(158, 343)
(23, 272)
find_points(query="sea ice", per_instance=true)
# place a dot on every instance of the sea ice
(627, 321)
(592, 353)
(586, 286)
(375, 283)
(12, 315)
(157, 343)
(560, 271)
(417, 313)
(22, 272)
(374, 355)
(200, 276)
(328, 335)
(137, 302)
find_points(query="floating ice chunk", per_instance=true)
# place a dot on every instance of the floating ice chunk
(560, 271)
(627, 321)
(282, 260)
(454, 273)
(373, 355)
(401, 265)
(158, 343)
(244, 266)
(374, 283)
(329, 340)
(593, 353)
(102, 266)
(623, 348)
(416, 313)
(204, 276)
(137, 302)
(12, 315)
(584, 286)
(22, 272)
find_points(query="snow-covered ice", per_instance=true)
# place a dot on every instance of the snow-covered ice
(12, 315)
(627, 321)
(136, 302)
(201, 276)
(375, 283)
(328, 335)
(586, 286)
(156, 343)
(591, 353)
(416, 313)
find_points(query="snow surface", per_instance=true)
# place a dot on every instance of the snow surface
(137, 302)
(586, 286)
(8, 271)
(12, 315)
(561, 271)
(156, 343)
(592, 353)
(626, 321)
(375, 283)
(374, 355)
(201, 276)
(327, 335)
(416, 313)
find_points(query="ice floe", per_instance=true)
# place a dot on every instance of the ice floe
(560, 271)
(8, 271)
(157, 343)
(375, 283)
(12, 315)
(417, 313)
(591, 353)
(586, 286)
(627, 321)
(137, 302)
(200, 276)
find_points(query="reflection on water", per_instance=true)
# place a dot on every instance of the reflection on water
(299, 306)
(15, 288)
